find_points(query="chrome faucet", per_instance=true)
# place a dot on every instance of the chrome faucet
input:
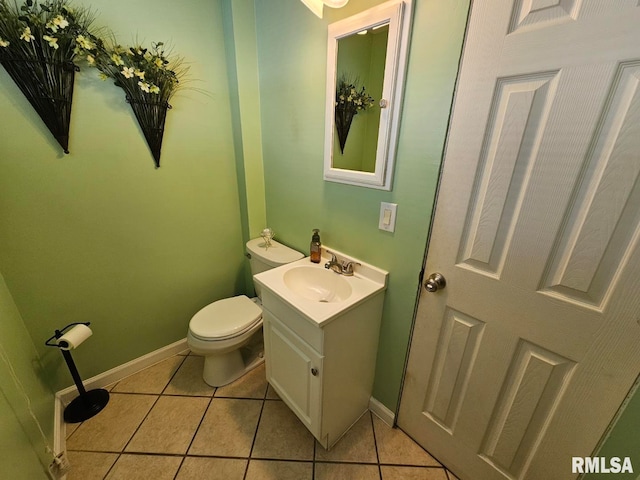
(348, 268)
(333, 264)
(344, 268)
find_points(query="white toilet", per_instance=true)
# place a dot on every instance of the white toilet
(220, 330)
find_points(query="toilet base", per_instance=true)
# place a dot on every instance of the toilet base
(220, 370)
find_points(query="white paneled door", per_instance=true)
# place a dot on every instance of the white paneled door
(521, 361)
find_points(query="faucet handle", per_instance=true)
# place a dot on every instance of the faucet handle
(333, 261)
(348, 268)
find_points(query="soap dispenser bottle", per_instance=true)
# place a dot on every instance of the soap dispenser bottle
(315, 246)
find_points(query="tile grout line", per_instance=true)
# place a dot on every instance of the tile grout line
(195, 432)
(139, 425)
(121, 452)
(313, 464)
(290, 460)
(150, 410)
(375, 444)
(111, 467)
(184, 359)
(255, 433)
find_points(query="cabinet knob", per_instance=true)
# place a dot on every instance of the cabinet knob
(314, 372)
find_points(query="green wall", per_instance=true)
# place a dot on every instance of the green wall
(100, 235)
(22, 448)
(242, 61)
(292, 46)
(623, 441)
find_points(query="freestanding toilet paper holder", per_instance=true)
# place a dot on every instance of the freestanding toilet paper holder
(87, 404)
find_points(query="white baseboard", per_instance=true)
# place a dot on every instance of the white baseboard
(64, 397)
(382, 412)
(58, 425)
(118, 373)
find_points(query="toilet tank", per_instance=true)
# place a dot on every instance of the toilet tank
(262, 258)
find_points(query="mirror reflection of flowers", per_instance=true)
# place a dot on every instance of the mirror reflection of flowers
(39, 45)
(149, 77)
(351, 98)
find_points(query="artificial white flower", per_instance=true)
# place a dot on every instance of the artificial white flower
(144, 86)
(26, 35)
(127, 72)
(139, 74)
(103, 76)
(4, 43)
(53, 42)
(91, 59)
(117, 59)
(85, 42)
(154, 89)
(60, 22)
(159, 63)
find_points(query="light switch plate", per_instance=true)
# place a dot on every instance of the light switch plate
(387, 221)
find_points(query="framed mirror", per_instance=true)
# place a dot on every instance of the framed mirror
(366, 63)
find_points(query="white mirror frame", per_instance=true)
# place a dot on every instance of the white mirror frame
(398, 14)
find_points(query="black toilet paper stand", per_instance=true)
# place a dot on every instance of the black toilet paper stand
(87, 404)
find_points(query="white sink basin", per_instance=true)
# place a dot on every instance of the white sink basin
(317, 293)
(316, 284)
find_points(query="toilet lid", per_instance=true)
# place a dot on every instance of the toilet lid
(225, 318)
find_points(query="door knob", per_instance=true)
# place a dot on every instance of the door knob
(435, 282)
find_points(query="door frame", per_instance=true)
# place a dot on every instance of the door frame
(433, 213)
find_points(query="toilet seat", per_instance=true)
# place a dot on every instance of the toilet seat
(224, 319)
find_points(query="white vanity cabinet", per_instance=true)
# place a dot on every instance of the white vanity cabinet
(322, 371)
(293, 370)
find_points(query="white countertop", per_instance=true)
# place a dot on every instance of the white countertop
(366, 281)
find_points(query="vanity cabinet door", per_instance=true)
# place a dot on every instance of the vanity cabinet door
(294, 370)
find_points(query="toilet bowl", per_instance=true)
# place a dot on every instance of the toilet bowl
(218, 331)
(222, 330)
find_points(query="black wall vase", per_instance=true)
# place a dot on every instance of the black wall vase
(343, 118)
(49, 88)
(151, 117)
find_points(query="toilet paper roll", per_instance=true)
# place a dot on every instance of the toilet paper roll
(74, 337)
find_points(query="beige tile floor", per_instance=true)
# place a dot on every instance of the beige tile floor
(166, 423)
